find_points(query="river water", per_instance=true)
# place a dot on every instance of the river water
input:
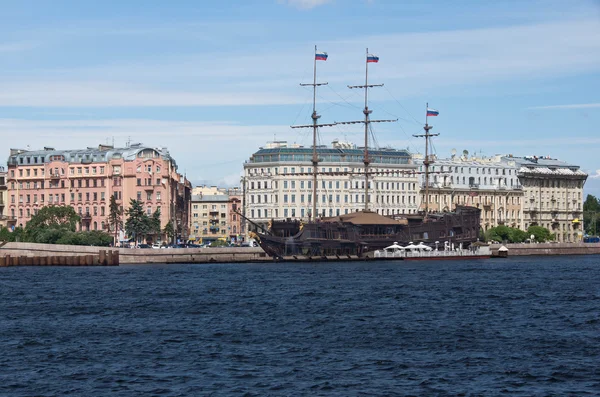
(519, 326)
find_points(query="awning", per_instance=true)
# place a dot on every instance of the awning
(576, 220)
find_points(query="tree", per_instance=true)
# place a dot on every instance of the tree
(506, 234)
(169, 230)
(54, 217)
(591, 212)
(137, 221)
(115, 214)
(154, 223)
(50, 223)
(541, 234)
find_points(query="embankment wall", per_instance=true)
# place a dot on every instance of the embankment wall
(142, 256)
(548, 249)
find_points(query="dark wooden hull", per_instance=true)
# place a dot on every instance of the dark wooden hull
(318, 239)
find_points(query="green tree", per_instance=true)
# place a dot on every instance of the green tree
(517, 235)
(115, 216)
(5, 234)
(137, 222)
(169, 230)
(94, 237)
(58, 216)
(48, 225)
(591, 213)
(506, 234)
(541, 234)
(154, 223)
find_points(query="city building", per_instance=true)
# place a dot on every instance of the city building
(5, 220)
(489, 183)
(85, 179)
(215, 215)
(553, 197)
(278, 179)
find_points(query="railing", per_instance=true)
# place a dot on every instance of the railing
(479, 251)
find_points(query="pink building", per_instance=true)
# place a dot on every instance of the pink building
(85, 179)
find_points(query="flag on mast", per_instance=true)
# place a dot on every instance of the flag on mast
(372, 58)
(432, 112)
(321, 56)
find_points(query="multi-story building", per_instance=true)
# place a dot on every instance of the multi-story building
(86, 179)
(553, 195)
(5, 220)
(512, 191)
(215, 214)
(491, 184)
(278, 181)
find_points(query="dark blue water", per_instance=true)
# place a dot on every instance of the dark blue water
(522, 326)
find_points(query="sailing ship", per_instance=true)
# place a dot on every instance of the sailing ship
(362, 232)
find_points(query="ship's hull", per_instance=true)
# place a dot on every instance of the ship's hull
(329, 238)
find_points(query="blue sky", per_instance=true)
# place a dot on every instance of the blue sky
(213, 81)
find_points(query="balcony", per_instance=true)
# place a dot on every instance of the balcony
(86, 217)
(54, 176)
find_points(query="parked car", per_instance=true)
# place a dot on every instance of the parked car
(156, 246)
(144, 246)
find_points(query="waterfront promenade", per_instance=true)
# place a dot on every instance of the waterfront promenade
(243, 254)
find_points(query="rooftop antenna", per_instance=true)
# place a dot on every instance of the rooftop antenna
(319, 56)
(370, 58)
(128, 141)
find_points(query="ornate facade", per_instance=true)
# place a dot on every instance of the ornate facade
(491, 184)
(86, 179)
(277, 182)
(553, 195)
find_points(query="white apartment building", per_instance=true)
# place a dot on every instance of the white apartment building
(553, 195)
(278, 181)
(489, 183)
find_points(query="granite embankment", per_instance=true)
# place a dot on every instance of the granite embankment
(141, 256)
(221, 255)
(548, 249)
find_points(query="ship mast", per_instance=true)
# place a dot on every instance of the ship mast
(427, 161)
(367, 121)
(315, 126)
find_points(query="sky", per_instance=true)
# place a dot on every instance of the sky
(214, 81)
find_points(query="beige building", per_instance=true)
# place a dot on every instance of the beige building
(488, 183)
(214, 214)
(553, 195)
(5, 220)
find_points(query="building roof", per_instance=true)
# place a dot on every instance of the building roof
(327, 154)
(101, 154)
(210, 198)
(546, 166)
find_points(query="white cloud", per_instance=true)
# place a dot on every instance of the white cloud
(572, 106)
(410, 64)
(107, 94)
(305, 4)
(205, 151)
(596, 175)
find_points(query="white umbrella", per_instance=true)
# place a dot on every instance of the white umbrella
(424, 247)
(411, 246)
(394, 246)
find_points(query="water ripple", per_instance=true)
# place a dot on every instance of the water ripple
(518, 327)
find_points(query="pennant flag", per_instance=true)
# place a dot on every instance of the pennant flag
(372, 58)
(321, 56)
(432, 112)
